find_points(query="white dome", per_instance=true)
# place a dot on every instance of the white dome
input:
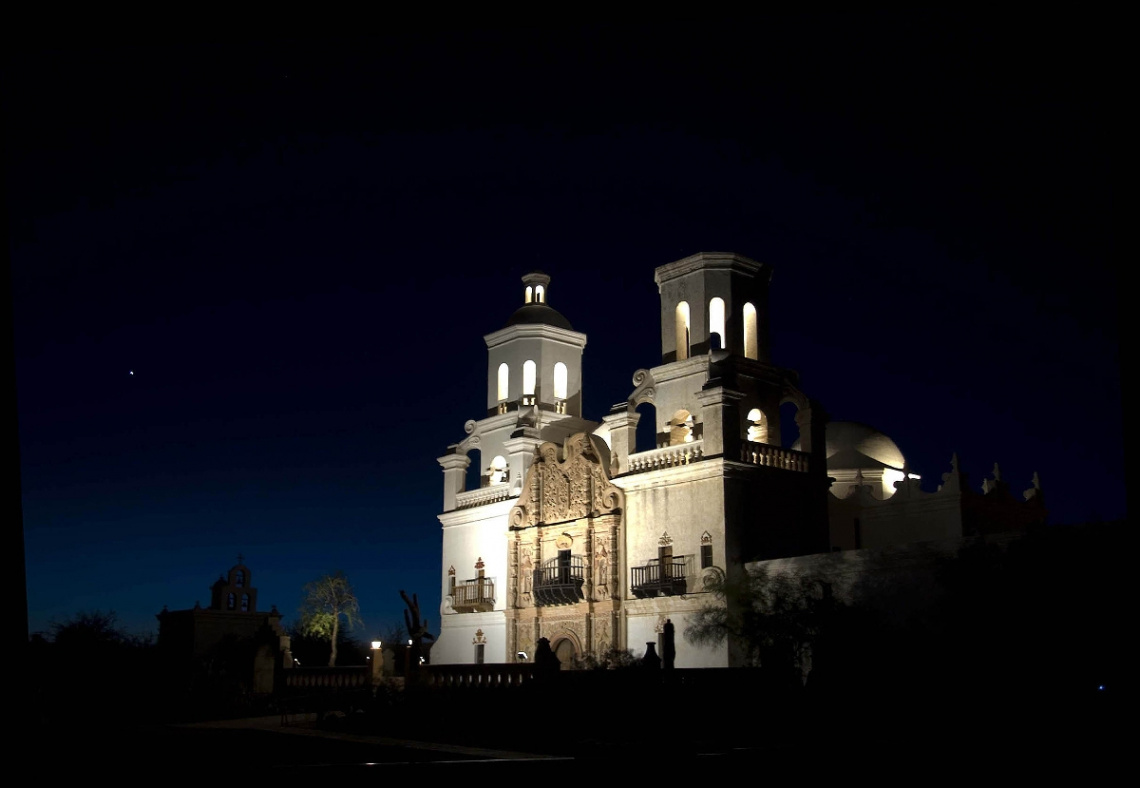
(851, 444)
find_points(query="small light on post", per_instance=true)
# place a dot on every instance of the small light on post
(377, 663)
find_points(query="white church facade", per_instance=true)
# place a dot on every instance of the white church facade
(575, 536)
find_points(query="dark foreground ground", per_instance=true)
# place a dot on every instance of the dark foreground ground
(895, 743)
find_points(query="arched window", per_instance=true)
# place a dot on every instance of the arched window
(529, 294)
(681, 428)
(245, 603)
(751, 346)
(239, 578)
(539, 294)
(682, 319)
(230, 601)
(716, 321)
(560, 380)
(497, 473)
(503, 381)
(757, 426)
(529, 373)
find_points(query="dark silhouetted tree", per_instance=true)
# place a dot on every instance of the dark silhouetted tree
(771, 620)
(417, 627)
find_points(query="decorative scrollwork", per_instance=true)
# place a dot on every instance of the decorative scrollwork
(469, 426)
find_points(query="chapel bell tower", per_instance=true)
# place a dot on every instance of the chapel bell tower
(534, 395)
(536, 359)
(714, 301)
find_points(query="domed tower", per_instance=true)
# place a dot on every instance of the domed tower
(536, 359)
(534, 394)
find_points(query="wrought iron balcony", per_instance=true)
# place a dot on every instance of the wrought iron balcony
(559, 582)
(658, 579)
(474, 596)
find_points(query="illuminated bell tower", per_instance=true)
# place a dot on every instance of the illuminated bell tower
(534, 393)
(715, 357)
(714, 301)
(536, 359)
(717, 396)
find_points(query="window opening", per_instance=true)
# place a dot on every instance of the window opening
(757, 426)
(504, 380)
(706, 556)
(751, 345)
(716, 322)
(560, 380)
(497, 472)
(529, 380)
(681, 428)
(682, 319)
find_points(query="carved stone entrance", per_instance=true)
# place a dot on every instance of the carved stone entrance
(564, 558)
(565, 651)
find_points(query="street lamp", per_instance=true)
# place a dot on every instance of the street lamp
(377, 662)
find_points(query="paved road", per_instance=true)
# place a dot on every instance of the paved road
(265, 746)
(256, 745)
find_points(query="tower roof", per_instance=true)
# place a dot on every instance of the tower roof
(535, 310)
(541, 314)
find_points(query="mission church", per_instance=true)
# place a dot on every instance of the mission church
(577, 535)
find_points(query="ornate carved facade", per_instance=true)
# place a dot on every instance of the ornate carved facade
(565, 538)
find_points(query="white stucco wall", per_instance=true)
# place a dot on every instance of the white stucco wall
(642, 624)
(459, 633)
(685, 502)
(469, 535)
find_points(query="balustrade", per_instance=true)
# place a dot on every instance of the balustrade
(484, 495)
(773, 456)
(666, 457)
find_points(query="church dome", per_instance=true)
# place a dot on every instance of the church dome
(851, 444)
(540, 314)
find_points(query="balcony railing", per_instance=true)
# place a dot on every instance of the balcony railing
(474, 596)
(489, 494)
(559, 582)
(774, 456)
(658, 579)
(666, 457)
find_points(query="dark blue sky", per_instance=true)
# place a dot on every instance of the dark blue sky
(297, 247)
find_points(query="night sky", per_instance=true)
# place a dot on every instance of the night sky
(251, 280)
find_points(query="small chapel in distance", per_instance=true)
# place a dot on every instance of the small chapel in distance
(578, 535)
(232, 627)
